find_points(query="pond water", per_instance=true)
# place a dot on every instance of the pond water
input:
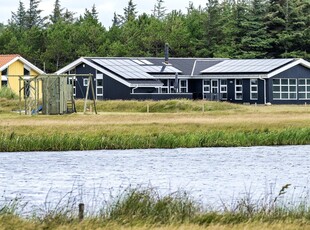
(210, 175)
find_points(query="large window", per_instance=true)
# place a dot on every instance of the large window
(304, 89)
(238, 89)
(284, 89)
(169, 86)
(254, 89)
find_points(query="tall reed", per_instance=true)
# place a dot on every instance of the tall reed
(62, 142)
(146, 207)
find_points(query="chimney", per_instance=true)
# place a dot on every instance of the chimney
(166, 53)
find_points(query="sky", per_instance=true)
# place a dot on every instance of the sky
(106, 8)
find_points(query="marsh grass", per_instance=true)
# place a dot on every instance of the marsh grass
(163, 106)
(61, 142)
(146, 208)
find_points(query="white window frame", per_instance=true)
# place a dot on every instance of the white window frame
(72, 81)
(171, 86)
(85, 82)
(307, 88)
(181, 88)
(206, 88)
(281, 92)
(223, 89)
(253, 89)
(99, 89)
(238, 91)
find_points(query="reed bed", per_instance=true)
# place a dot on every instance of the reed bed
(145, 208)
(64, 142)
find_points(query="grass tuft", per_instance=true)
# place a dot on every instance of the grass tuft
(7, 93)
(148, 206)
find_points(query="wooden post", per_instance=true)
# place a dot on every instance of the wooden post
(35, 97)
(203, 108)
(147, 108)
(86, 97)
(90, 83)
(20, 96)
(90, 79)
(81, 211)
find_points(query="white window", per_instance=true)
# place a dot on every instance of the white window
(284, 89)
(206, 88)
(85, 81)
(238, 89)
(254, 89)
(183, 86)
(71, 81)
(223, 89)
(304, 89)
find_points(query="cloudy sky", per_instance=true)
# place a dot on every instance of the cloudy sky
(106, 8)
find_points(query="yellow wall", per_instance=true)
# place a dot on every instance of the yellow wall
(17, 69)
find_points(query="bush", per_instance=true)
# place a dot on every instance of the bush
(6, 92)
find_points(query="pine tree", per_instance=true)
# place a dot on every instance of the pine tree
(159, 11)
(33, 17)
(1, 27)
(19, 18)
(254, 42)
(277, 25)
(130, 12)
(69, 16)
(213, 33)
(57, 14)
(116, 21)
(91, 16)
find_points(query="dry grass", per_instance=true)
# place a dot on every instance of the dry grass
(288, 124)
(16, 223)
(275, 117)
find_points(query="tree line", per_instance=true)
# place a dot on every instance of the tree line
(227, 28)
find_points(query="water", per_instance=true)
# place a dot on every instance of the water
(211, 175)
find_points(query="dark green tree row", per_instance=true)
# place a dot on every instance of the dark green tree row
(227, 28)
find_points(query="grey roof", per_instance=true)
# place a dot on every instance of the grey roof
(247, 66)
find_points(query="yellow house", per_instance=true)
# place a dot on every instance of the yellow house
(12, 66)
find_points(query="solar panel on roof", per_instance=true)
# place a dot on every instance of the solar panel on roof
(131, 69)
(138, 62)
(250, 65)
(146, 62)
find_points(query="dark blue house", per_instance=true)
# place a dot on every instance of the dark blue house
(261, 81)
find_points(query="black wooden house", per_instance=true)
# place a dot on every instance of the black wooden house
(276, 81)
